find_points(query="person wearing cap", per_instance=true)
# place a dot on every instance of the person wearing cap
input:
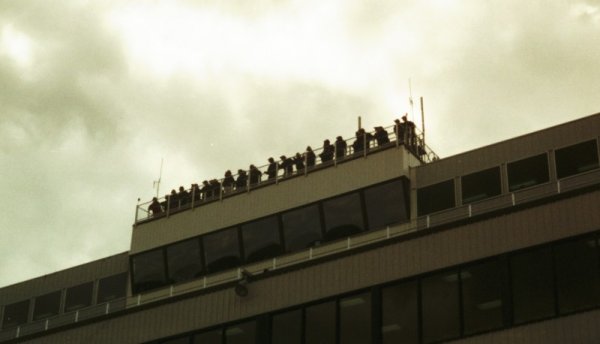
(340, 148)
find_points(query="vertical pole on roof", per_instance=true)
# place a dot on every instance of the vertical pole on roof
(157, 182)
(423, 121)
(359, 122)
(410, 100)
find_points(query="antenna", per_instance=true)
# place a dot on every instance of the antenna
(410, 100)
(359, 122)
(423, 121)
(156, 183)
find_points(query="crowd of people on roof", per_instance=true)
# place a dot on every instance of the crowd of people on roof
(213, 189)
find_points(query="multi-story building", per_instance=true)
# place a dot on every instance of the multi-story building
(382, 245)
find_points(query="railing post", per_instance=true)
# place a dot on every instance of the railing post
(137, 208)
(18, 333)
(193, 198)
(76, 316)
(46, 325)
(107, 307)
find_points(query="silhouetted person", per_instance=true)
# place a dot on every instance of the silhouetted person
(173, 200)
(196, 193)
(409, 133)
(255, 174)
(340, 148)
(154, 208)
(327, 153)
(310, 157)
(165, 204)
(271, 170)
(215, 186)
(399, 130)
(381, 136)
(287, 165)
(183, 196)
(228, 182)
(242, 180)
(359, 143)
(206, 191)
(299, 162)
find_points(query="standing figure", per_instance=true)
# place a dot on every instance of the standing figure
(299, 162)
(287, 165)
(310, 157)
(196, 193)
(206, 191)
(271, 170)
(242, 180)
(255, 175)
(184, 196)
(399, 130)
(215, 186)
(409, 131)
(327, 154)
(154, 208)
(340, 148)
(381, 136)
(228, 182)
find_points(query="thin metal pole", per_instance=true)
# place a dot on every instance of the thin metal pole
(423, 121)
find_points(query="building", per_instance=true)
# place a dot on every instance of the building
(391, 245)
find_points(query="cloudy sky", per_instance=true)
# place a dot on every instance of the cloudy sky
(93, 94)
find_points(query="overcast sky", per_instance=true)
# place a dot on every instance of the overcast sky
(93, 94)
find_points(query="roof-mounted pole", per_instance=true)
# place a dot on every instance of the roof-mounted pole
(423, 121)
(157, 182)
(359, 122)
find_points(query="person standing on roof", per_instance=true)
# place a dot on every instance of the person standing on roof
(340, 148)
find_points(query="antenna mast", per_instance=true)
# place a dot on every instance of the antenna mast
(423, 121)
(157, 182)
(410, 100)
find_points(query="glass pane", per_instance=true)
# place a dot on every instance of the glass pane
(261, 239)
(286, 328)
(244, 333)
(46, 305)
(400, 314)
(343, 216)
(15, 314)
(355, 319)
(184, 260)
(386, 204)
(577, 274)
(320, 324)
(435, 197)
(528, 172)
(112, 287)
(149, 270)
(440, 307)
(480, 185)
(576, 159)
(210, 337)
(532, 285)
(483, 293)
(221, 250)
(79, 297)
(301, 228)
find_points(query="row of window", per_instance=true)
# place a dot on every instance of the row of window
(371, 208)
(523, 173)
(499, 292)
(75, 298)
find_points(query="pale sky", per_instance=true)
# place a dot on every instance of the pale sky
(93, 94)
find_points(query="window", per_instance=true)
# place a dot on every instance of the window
(46, 305)
(527, 172)
(222, 250)
(386, 204)
(210, 337)
(399, 322)
(184, 260)
(244, 333)
(435, 197)
(301, 228)
(577, 274)
(483, 290)
(576, 159)
(15, 314)
(79, 296)
(286, 328)
(355, 319)
(261, 239)
(343, 216)
(480, 185)
(320, 323)
(112, 287)
(532, 285)
(149, 270)
(440, 307)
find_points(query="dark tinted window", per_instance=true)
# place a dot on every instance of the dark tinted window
(286, 328)
(532, 285)
(480, 185)
(576, 159)
(15, 314)
(577, 274)
(483, 290)
(301, 228)
(343, 216)
(320, 323)
(386, 204)
(400, 314)
(244, 333)
(210, 337)
(355, 319)
(261, 239)
(527, 172)
(46, 305)
(182, 340)
(79, 297)
(440, 307)
(184, 260)
(222, 250)
(149, 270)
(112, 287)
(435, 197)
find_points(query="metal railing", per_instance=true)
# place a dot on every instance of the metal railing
(302, 164)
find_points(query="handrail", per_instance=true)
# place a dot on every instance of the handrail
(218, 189)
